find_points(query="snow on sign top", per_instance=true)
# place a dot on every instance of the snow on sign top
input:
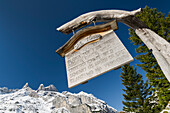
(93, 51)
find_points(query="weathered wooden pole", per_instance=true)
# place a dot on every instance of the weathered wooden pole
(159, 46)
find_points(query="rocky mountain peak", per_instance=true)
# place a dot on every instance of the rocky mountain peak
(48, 88)
(48, 100)
(25, 86)
(5, 90)
(41, 88)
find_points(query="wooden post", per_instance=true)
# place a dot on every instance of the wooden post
(159, 46)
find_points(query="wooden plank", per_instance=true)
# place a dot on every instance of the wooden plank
(95, 59)
(95, 16)
(69, 45)
(160, 47)
(85, 82)
(87, 40)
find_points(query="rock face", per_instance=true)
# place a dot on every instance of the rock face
(25, 86)
(5, 90)
(41, 88)
(82, 103)
(48, 88)
(48, 100)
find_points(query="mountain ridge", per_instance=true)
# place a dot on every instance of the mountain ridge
(49, 100)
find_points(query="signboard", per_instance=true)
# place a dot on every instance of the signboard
(92, 58)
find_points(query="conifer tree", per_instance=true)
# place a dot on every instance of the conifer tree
(138, 97)
(161, 25)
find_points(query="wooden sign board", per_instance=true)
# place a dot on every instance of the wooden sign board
(95, 58)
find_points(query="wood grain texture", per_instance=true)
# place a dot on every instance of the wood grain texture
(95, 16)
(69, 45)
(159, 46)
(95, 59)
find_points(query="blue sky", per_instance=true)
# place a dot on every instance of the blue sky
(28, 40)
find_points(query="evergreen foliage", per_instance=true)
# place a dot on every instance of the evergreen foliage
(138, 97)
(160, 24)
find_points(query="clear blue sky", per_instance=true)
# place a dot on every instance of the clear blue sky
(28, 40)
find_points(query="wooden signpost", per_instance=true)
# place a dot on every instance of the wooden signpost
(92, 52)
(96, 58)
(159, 46)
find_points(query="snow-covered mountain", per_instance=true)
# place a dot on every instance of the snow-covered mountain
(48, 100)
(5, 90)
